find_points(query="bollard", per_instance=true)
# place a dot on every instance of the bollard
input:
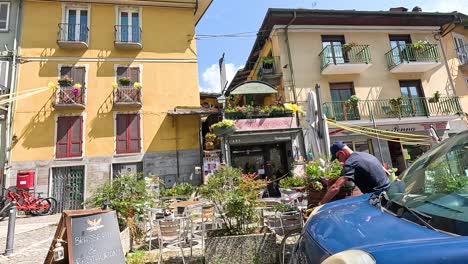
(11, 230)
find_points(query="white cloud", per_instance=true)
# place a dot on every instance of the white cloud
(446, 6)
(210, 77)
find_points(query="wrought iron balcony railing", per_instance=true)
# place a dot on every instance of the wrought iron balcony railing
(343, 54)
(416, 52)
(392, 108)
(127, 36)
(70, 97)
(73, 35)
(127, 95)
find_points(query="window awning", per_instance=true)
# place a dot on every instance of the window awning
(253, 87)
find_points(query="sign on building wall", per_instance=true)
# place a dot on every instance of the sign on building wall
(400, 128)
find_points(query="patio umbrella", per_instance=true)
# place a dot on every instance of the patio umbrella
(317, 135)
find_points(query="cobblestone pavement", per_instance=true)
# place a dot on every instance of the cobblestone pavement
(33, 236)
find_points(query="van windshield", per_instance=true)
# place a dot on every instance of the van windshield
(437, 185)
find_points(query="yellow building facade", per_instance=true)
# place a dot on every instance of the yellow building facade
(134, 65)
(385, 69)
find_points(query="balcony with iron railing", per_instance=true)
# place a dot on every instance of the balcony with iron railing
(127, 37)
(392, 108)
(69, 97)
(416, 57)
(269, 67)
(345, 59)
(127, 96)
(73, 36)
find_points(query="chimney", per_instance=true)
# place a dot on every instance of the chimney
(417, 9)
(398, 9)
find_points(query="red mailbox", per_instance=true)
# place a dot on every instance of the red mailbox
(25, 179)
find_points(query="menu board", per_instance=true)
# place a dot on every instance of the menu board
(96, 239)
(88, 236)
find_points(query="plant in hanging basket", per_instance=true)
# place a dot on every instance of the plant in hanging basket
(124, 81)
(225, 127)
(65, 81)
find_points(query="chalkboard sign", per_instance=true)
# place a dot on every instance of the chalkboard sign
(95, 238)
(92, 236)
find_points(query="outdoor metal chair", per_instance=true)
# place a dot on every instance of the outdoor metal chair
(203, 217)
(172, 233)
(285, 225)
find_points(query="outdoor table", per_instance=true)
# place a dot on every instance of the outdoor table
(183, 205)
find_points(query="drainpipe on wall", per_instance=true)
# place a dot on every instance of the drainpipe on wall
(444, 56)
(293, 84)
(13, 84)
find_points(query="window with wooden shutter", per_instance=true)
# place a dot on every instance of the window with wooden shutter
(133, 73)
(128, 133)
(69, 137)
(77, 74)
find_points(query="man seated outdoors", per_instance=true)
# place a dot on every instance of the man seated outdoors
(360, 169)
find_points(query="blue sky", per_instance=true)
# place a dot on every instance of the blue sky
(234, 16)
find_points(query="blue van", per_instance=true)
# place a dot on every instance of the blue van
(422, 218)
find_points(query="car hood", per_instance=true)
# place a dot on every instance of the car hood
(354, 222)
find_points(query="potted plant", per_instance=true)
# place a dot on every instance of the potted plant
(210, 137)
(65, 81)
(268, 63)
(435, 97)
(351, 104)
(396, 105)
(347, 47)
(320, 175)
(289, 185)
(242, 240)
(419, 45)
(225, 127)
(124, 81)
(127, 195)
(209, 145)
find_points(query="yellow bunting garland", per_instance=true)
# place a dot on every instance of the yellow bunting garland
(384, 137)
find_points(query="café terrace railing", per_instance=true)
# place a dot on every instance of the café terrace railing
(392, 108)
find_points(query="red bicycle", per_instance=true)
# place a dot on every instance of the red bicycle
(27, 202)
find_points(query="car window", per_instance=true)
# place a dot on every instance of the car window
(437, 185)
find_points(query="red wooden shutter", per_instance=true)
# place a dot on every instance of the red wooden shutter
(75, 137)
(134, 133)
(121, 134)
(79, 74)
(62, 137)
(69, 137)
(135, 74)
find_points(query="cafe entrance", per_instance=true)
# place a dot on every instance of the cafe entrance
(267, 160)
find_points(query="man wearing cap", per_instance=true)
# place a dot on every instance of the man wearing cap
(361, 168)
